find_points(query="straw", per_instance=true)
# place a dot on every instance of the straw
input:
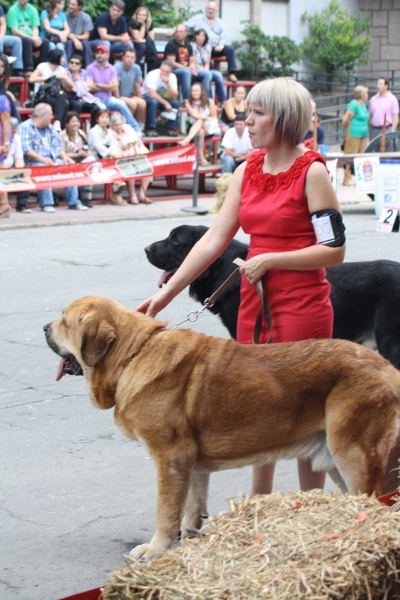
(300, 545)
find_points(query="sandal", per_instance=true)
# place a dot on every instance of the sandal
(204, 162)
(133, 200)
(5, 210)
(145, 200)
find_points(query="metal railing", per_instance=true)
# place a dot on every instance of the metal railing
(331, 105)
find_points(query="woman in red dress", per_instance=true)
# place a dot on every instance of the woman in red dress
(272, 197)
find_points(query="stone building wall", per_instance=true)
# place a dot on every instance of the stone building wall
(384, 54)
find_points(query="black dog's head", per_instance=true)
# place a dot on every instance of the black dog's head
(170, 253)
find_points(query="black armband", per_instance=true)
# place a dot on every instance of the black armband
(329, 228)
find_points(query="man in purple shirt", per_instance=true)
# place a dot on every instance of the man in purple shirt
(102, 81)
(383, 104)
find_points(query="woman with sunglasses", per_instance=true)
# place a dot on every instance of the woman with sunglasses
(79, 97)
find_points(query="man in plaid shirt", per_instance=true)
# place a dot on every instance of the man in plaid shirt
(42, 146)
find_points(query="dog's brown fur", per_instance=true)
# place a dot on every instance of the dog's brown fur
(202, 404)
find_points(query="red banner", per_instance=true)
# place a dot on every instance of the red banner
(178, 160)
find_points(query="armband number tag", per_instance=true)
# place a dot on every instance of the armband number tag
(323, 229)
(387, 219)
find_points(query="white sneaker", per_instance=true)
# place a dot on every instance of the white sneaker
(48, 209)
(78, 206)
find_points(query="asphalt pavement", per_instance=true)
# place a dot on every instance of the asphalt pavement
(75, 494)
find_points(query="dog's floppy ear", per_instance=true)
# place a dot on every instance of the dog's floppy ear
(98, 336)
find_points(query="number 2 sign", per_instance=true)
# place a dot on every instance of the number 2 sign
(387, 219)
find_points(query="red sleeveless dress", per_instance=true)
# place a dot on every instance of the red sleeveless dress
(274, 212)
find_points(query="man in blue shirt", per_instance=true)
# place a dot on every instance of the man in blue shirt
(80, 26)
(215, 29)
(130, 84)
(42, 145)
(111, 29)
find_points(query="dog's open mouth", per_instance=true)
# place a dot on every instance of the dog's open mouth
(68, 366)
(166, 276)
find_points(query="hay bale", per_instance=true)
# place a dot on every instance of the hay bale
(311, 545)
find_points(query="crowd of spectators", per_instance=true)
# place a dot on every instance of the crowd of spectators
(74, 75)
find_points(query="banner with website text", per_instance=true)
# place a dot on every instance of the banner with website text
(179, 160)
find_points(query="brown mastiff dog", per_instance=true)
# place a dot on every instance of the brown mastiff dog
(203, 404)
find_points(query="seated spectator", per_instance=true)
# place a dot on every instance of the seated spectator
(76, 146)
(202, 55)
(42, 146)
(215, 29)
(202, 116)
(102, 81)
(54, 26)
(5, 128)
(15, 158)
(12, 43)
(180, 53)
(23, 21)
(79, 97)
(101, 144)
(111, 29)
(160, 91)
(130, 84)
(142, 34)
(308, 140)
(237, 146)
(80, 25)
(54, 67)
(127, 140)
(234, 107)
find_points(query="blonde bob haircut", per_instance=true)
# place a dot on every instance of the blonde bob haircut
(288, 102)
(359, 91)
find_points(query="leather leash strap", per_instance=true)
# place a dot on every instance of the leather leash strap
(264, 312)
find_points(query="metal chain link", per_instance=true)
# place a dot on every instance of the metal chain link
(192, 316)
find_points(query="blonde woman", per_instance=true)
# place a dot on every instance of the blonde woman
(273, 196)
(202, 114)
(142, 33)
(129, 143)
(357, 118)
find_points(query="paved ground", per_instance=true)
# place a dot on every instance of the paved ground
(75, 494)
(161, 208)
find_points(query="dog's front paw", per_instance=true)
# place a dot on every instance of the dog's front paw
(145, 552)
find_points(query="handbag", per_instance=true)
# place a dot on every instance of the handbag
(53, 37)
(212, 126)
(51, 87)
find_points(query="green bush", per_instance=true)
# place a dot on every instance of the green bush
(337, 40)
(263, 56)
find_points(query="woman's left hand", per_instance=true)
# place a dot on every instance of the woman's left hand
(254, 268)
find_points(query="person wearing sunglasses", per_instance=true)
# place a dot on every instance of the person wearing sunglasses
(79, 97)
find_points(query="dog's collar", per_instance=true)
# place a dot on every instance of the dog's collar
(132, 356)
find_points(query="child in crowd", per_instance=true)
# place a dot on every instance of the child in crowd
(203, 119)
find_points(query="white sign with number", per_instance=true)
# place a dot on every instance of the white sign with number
(387, 219)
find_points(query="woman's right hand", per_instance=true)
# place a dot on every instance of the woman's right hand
(154, 304)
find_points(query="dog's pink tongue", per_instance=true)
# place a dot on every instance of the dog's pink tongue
(164, 277)
(60, 372)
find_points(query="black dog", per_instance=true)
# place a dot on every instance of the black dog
(365, 295)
